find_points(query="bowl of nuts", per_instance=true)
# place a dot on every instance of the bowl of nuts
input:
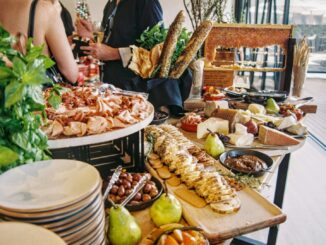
(124, 186)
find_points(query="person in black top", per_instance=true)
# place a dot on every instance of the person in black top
(123, 22)
(67, 21)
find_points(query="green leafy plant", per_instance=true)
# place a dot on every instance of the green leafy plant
(21, 103)
(157, 34)
(55, 96)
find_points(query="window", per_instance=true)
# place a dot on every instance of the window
(309, 17)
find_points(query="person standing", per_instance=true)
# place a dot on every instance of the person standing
(123, 23)
(40, 20)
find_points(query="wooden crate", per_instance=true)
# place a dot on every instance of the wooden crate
(220, 62)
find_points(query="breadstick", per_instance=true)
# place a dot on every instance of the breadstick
(170, 44)
(189, 53)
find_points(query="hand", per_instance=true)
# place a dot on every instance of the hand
(84, 28)
(101, 51)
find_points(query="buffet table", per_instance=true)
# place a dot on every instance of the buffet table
(281, 160)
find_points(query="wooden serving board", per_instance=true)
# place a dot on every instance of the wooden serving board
(270, 152)
(255, 213)
(308, 108)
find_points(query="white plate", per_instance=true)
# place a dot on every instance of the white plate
(61, 220)
(105, 137)
(51, 215)
(15, 233)
(47, 185)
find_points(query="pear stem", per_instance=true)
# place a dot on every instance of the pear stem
(165, 187)
(210, 131)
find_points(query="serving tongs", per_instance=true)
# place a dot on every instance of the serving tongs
(300, 102)
(140, 185)
(114, 178)
(103, 87)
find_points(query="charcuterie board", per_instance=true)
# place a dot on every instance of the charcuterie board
(104, 137)
(271, 151)
(255, 213)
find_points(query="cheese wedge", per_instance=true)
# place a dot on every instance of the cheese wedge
(216, 125)
(286, 122)
(269, 136)
(211, 106)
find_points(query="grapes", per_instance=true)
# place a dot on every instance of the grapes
(270, 125)
(225, 139)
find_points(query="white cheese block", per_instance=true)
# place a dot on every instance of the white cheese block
(257, 109)
(213, 105)
(241, 139)
(216, 125)
(286, 122)
(240, 129)
(298, 129)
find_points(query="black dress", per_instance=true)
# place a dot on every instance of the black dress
(131, 18)
(67, 21)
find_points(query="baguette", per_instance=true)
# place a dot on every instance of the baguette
(189, 53)
(170, 44)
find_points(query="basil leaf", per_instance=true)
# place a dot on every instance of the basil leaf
(13, 93)
(5, 73)
(35, 93)
(54, 100)
(7, 156)
(22, 139)
(19, 66)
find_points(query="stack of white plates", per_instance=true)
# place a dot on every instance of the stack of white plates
(63, 196)
(16, 233)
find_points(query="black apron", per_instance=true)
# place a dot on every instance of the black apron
(130, 19)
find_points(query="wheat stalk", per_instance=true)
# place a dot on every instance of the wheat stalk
(301, 53)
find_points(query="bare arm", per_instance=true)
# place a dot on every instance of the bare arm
(59, 46)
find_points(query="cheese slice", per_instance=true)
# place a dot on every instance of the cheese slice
(269, 136)
(216, 125)
(211, 106)
(286, 122)
(298, 129)
(240, 129)
(241, 139)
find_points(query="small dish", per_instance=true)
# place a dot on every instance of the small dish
(189, 127)
(143, 205)
(186, 228)
(236, 153)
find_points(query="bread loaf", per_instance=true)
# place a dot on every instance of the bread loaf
(170, 44)
(189, 53)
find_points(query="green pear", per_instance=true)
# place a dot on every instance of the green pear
(213, 145)
(165, 210)
(272, 107)
(123, 229)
